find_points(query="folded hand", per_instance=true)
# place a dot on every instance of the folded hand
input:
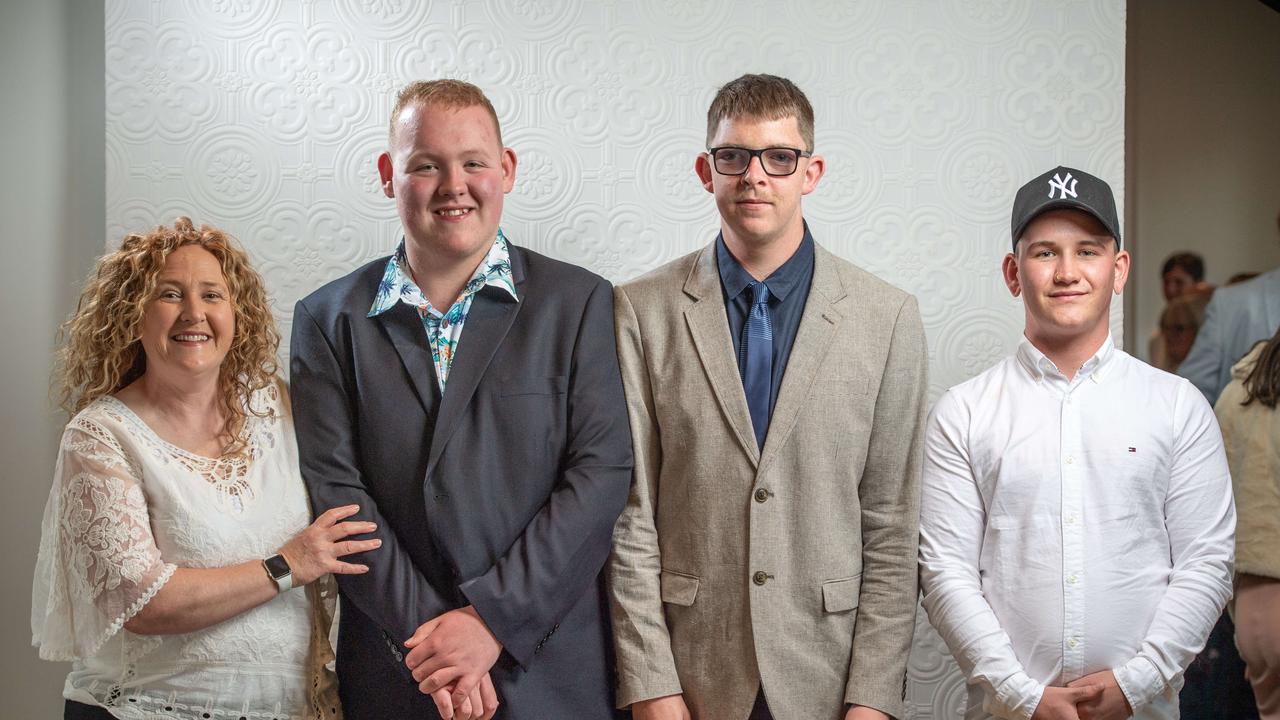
(1109, 704)
(453, 653)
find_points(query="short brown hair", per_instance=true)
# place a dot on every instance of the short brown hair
(446, 93)
(761, 97)
(102, 349)
(1189, 262)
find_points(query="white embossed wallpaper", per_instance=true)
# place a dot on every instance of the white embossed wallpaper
(264, 117)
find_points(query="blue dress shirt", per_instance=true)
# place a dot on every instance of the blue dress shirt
(788, 290)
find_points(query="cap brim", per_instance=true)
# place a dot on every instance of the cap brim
(1068, 204)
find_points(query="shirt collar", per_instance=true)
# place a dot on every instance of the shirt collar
(735, 279)
(397, 283)
(1038, 365)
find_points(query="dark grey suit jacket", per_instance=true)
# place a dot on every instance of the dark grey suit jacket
(502, 494)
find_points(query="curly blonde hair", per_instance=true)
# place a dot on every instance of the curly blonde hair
(102, 349)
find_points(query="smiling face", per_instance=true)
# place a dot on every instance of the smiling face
(448, 172)
(1066, 267)
(757, 209)
(189, 323)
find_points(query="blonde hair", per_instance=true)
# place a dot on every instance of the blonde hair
(447, 93)
(102, 350)
(1185, 312)
(761, 97)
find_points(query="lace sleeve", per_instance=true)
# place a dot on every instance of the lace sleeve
(98, 564)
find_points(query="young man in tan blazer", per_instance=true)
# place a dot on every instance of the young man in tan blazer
(765, 563)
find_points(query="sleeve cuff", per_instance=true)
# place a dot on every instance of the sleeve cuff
(1139, 680)
(517, 638)
(894, 708)
(1016, 698)
(630, 693)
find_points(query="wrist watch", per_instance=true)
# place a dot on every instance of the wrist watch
(279, 571)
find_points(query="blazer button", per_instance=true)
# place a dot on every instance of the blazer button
(762, 495)
(761, 577)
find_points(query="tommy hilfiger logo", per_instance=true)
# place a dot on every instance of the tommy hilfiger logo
(1133, 449)
(1060, 184)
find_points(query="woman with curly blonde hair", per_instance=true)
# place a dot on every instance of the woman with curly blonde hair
(178, 522)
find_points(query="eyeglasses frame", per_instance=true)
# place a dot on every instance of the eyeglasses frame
(757, 155)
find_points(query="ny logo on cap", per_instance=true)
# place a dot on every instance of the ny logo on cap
(1060, 184)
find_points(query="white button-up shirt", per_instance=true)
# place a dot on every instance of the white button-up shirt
(1073, 526)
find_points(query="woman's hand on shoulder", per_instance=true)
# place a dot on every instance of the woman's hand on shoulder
(317, 550)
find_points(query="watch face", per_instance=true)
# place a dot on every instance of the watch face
(277, 566)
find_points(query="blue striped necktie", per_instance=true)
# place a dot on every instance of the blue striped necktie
(756, 360)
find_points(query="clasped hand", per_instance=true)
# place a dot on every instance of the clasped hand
(450, 657)
(1093, 697)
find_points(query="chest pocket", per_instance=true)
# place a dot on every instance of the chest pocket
(532, 416)
(1131, 482)
(516, 387)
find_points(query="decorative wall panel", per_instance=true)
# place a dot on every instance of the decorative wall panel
(265, 117)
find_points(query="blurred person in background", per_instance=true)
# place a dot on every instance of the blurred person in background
(1236, 318)
(1182, 317)
(1179, 324)
(1251, 432)
(178, 524)
(1181, 274)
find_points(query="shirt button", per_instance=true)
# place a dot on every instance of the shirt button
(1071, 519)
(1072, 579)
(1070, 459)
(762, 495)
(761, 577)
(1073, 642)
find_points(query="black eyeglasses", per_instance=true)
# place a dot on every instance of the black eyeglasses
(776, 161)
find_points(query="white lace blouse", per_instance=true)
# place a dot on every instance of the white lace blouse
(126, 509)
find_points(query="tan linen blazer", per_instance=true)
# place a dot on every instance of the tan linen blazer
(795, 567)
(1251, 436)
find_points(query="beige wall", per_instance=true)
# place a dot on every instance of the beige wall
(1203, 149)
(51, 218)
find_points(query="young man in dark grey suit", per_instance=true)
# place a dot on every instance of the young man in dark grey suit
(465, 394)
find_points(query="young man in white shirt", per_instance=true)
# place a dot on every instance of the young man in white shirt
(1076, 529)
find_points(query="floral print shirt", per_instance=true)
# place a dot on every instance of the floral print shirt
(444, 329)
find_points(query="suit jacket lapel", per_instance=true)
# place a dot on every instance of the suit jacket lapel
(486, 326)
(405, 329)
(818, 326)
(709, 325)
